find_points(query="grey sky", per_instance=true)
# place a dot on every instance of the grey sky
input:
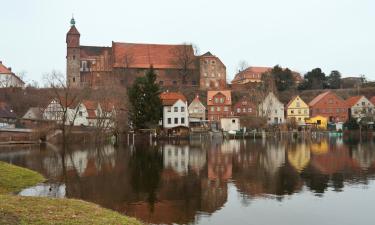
(299, 34)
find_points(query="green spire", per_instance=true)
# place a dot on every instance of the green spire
(72, 22)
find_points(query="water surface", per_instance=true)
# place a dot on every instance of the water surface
(322, 181)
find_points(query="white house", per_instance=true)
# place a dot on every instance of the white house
(360, 107)
(175, 110)
(8, 78)
(74, 113)
(272, 109)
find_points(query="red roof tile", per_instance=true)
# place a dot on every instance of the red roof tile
(4, 69)
(226, 93)
(318, 98)
(144, 55)
(350, 102)
(169, 98)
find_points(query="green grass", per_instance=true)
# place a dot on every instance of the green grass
(13, 178)
(37, 210)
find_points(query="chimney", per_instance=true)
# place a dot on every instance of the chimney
(10, 69)
(1, 62)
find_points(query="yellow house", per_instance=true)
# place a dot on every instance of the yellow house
(319, 121)
(298, 110)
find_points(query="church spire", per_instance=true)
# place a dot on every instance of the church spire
(72, 21)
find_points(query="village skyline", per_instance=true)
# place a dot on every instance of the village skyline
(234, 32)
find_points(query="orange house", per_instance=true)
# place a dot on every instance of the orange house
(219, 104)
(329, 105)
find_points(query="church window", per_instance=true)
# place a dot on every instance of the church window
(74, 79)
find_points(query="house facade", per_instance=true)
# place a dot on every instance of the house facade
(212, 72)
(360, 107)
(75, 114)
(245, 107)
(34, 113)
(219, 104)
(272, 109)
(297, 110)
(197, 111)
(175, 110)
(8, 78)
(329, 105)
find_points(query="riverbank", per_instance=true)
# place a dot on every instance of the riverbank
(35, 210)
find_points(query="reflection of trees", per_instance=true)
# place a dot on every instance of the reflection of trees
(146, 165)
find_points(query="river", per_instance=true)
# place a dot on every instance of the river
(322, 181)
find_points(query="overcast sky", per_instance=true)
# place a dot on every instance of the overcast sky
(299, 34)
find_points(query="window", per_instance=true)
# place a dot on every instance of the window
(212, 109)
(291, 111)
(169, 109)
(221, 99)
(238, 110)
(299, 111)
(169, 120)
(182, 120)
(244, 110)
(298, 104)
(216, 100)
(175, 109)
(175, 120)
(174, 82)
(80, 113)
(226, 108)
(249, 110)
(275, 110)
(193, 82)
(363, 104)
(74, 79)
(182, 109)
(212, 62)
(74, 57)
(218, 109)
(233, 121)
(205, 74)
(217, 84)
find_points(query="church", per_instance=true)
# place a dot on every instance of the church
(122, 63)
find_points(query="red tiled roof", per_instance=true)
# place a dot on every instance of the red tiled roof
(248, 72)
(169, 98)
(350, 102)
(226, 93)
(4, 69)
(133, 55)
(318, 98)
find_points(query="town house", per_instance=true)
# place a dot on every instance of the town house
(197, 111)
(245, 107)
(297, 110)
(219, 104)
(329, 105)
(360, 107)
(272, 109)
(175, 110)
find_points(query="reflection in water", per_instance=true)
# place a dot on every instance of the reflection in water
(184, 183)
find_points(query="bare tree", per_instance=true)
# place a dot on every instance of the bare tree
(67, 102)
(242, 65)
(185, 59)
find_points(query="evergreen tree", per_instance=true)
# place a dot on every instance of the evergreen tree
(334, 80)
(283, 78)
(145, 102)
(315, 79)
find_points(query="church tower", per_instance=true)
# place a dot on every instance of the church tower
(73, 63)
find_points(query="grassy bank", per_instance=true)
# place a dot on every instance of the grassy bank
(13, 178)
(36, 210)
